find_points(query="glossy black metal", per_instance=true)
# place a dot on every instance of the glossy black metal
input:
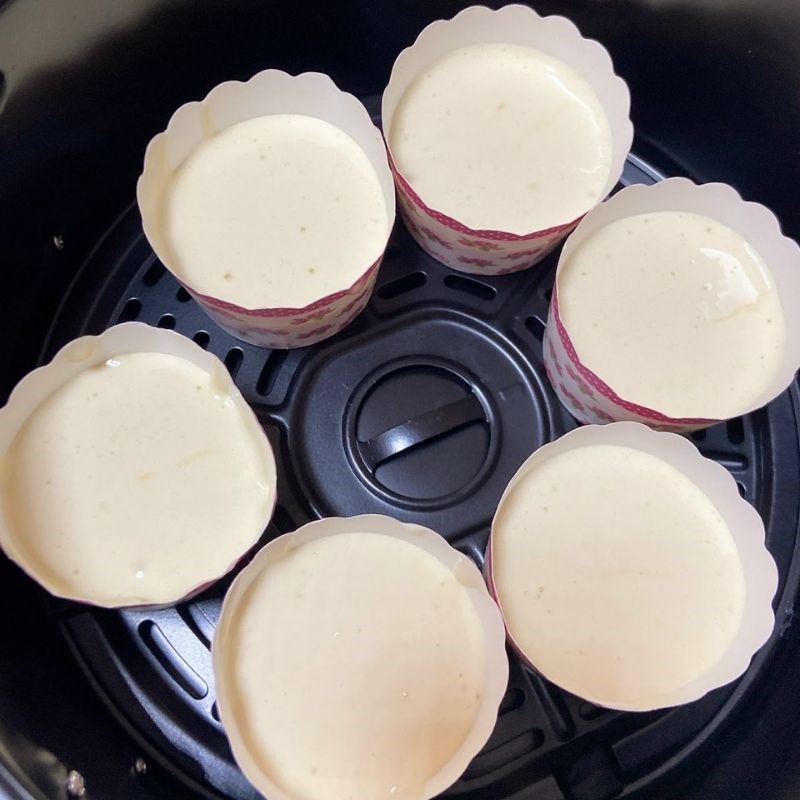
(716, 95)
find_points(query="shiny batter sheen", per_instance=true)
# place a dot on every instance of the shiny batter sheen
(676, 312)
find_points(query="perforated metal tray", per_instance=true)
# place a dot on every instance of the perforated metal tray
(422, 409)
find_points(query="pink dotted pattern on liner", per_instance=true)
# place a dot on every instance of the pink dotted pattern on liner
(603, 388)
(524, 253)
(422, 230)
(283, 327)
(449, 222)
(317, 309)
(480, 244)
(284, 337)
(571, 397)
(426, 239)
(475, 262)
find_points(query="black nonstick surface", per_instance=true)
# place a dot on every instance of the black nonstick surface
(83, 85)
(352, 426)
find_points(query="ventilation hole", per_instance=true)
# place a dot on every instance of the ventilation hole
(154, 274)
(402, 285)
(197, 623)
(514, 698)
(234, 360)
(167, 322)
(201, 338)
(536, 327)
(734, 462)
(392, 251)
(182, 296)
(736, 430)
(215, 711)
(548, 294)
(269, 373)
(589, 711)
(698, 436)
(742, 488)
(533, 738)
(130, 310)
(168, 657)
(283, 520)
(470, 286)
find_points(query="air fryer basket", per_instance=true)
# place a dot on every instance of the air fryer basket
(121, 704)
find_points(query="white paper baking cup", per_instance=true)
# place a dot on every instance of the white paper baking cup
(745, 526)
(76, 357)
(269, 92)
(493, 252)
(432, 543)
(585, 394)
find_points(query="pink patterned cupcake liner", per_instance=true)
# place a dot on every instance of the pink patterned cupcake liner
(292, 327)
(586, 396)
(584, 393)
(495, 252)
(268, 92)
(477, 252)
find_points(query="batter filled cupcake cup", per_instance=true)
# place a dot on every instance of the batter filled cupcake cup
(504, 128)
(629, 570)
(358, 657)
(132, 471)
(271, 201)
(672, 306)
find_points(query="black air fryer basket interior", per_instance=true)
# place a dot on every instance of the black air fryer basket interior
(121, 704)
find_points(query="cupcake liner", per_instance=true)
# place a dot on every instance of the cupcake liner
(494, 252)
(745, 526)
(585, 394)
(433, 544)
(269, 92)
(78, 356)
